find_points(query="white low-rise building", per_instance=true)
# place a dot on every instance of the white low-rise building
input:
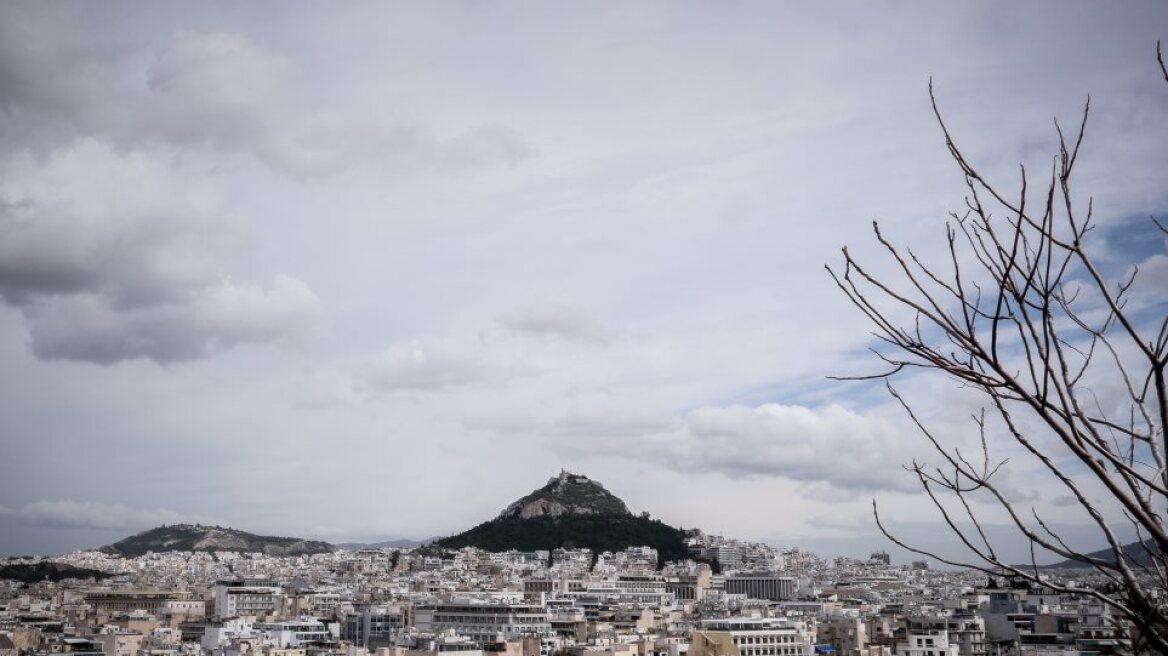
(752, 636)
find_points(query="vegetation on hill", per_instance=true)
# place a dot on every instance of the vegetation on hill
(1137, 554)
(195, 537)
(48, 571)
(596, 532)
(571, 512)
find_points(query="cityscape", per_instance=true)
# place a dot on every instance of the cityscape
(637, 328)
(192, 590)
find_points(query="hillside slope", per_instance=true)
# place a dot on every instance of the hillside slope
(196, 537)
(571, 511)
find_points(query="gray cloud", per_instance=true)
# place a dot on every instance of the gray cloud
(88, 327)
(56, 81)
(559, 321)
(482, 147)
(111, 257)
(679, 172)
(224, 90)
(229, 93)
(70, 513)
(218, 90)
(90, 219)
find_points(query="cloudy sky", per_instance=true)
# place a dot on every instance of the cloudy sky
(375, 270)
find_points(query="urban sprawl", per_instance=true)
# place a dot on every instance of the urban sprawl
(764, 601)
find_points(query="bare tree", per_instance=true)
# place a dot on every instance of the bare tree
(1023, 313)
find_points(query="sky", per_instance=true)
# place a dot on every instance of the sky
(374, 270)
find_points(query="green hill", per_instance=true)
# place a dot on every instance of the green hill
(571, 512)
(196, 537)
(48, 571)
(1136, 554)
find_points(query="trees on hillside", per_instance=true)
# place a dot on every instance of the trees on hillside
(1071, 364)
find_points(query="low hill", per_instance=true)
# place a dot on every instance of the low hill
(1135, 552)
(48, 571)
(402, 543)
(196, 537)
(571, 511)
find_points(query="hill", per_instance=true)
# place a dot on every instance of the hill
(402, 543)
(48, 571)
(196, 537)
(567, 494)
(1136, 554)
(571, 511)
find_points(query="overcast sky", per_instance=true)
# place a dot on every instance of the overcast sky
(365, 271)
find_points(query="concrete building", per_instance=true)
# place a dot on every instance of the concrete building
(294, 633)
(246, 598)
(643, 589)
(925, 642)
(107, 603)
(761, 586)
(485, 622)
(119, 642)
(372, 626)
(751, 636)
(964, 630)
(846, 634)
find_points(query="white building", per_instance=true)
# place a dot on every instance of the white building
(484, 622)
(246, 598)
(926, 643)
(643, 590)
(294, 633)
(761, 586)
(754, 636)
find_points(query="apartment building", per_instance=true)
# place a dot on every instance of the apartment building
(761, 586)
(483, 623)
(752, 636)
(247, 598)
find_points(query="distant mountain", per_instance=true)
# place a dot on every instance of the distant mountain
(195, 537)
(402, 543)
(1135, 552)
(571, 511)
(48, 571)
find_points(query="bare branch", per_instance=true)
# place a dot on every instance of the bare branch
(1076, 381)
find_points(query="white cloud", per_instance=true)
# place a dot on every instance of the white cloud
(430, 364)
(829, 445)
